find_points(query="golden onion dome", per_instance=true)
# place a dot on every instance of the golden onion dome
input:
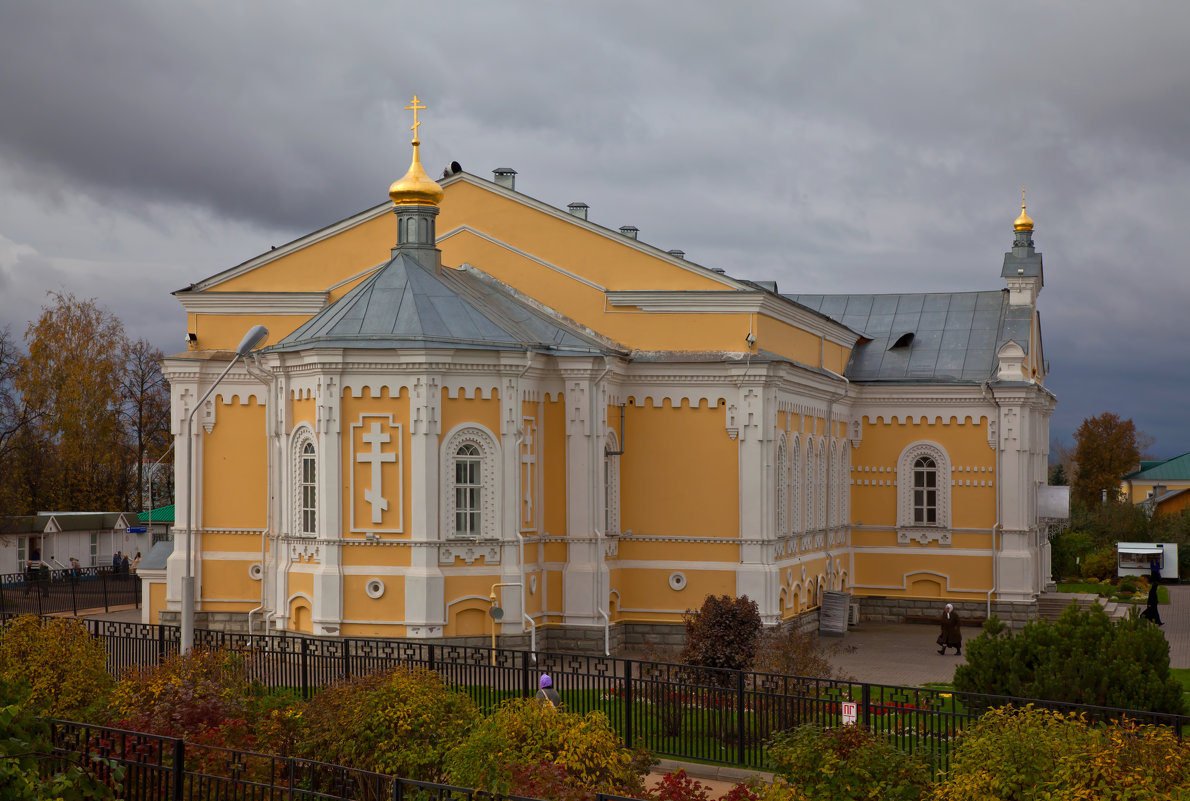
(415, 188)
(1024, 222)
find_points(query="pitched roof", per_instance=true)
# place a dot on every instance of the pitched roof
(937, 337)
(406, 304)
(162, 514)
(1175, 469)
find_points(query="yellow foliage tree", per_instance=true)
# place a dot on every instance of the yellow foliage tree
(63, 666)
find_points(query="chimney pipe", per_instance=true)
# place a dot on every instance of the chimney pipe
(677, 254)
(629, 231)
(578, 210)
(505, 177)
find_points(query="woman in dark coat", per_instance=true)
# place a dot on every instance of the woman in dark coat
(1151, 612)
(950, 637)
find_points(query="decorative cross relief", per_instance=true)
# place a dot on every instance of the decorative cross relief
(924, 536)
(855, 431)
(375, 494)
(576, 397)
(1009, 432)
(379, 463)
(751, 401)
(733, 428)
(993, 429)
(324, 413)
(426, 400)
(206, 415)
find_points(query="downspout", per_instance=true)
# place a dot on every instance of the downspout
(519, 438)
(830, 408)
(599, 534)
(269, 381)
(991, 396)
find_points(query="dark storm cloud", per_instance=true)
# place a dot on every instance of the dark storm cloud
(832, 147)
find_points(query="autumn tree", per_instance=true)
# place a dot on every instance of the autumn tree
(71, 376)
(1106, 448)
(16, 417)
(144, 413)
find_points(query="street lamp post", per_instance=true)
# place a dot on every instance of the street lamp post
(256, 334)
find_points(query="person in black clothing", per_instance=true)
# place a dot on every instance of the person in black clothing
(1151, 612)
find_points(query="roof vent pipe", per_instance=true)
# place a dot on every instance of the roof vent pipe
(505, 177)
(719, 270)
(677, 254)
(629, 231)
(578, 210)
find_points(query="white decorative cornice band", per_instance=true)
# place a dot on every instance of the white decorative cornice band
(304, 303)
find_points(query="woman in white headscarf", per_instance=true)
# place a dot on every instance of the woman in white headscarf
(951, 636)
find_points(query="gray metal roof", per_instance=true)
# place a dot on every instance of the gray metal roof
(405, 304)
(955, 336)
(157, 557)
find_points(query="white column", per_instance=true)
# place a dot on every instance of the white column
(425, 605)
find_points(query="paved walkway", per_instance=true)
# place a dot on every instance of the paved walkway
(905, 654)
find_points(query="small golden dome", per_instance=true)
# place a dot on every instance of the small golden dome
(415, 188)
(1024, 222)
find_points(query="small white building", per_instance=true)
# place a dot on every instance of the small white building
(1137, 558)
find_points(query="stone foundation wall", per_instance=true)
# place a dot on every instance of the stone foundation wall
(884, 609)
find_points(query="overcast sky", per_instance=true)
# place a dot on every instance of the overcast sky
(832, 147)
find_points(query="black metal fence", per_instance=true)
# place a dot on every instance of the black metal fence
(704, 714)
(72, 590)
(167, 769)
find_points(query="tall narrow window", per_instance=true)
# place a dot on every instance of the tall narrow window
(782, 487)
(309, 490)
(611, 484)
(468, 490)
(925, 492)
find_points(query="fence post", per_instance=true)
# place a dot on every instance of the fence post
(346, 646)
(740, 726)
(627, 702)
(179, 770)
(305, 661)
(430, 659)
(103, 581)
(866, 698)
(160, 644)
(74, 597)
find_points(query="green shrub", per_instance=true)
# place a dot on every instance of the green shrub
(63, 666)
(1024, 754)
(1100, 563)
(588, 754)
(401, 722)
(847, 763)
(1082, 658)
(724, 633)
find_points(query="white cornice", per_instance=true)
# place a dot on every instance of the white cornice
(307, 303)
(740, 301)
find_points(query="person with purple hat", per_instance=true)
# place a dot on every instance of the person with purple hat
(547, 692)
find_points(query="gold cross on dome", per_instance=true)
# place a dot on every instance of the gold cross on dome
(415, 107)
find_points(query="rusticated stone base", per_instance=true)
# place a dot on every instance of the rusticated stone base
(886, 609)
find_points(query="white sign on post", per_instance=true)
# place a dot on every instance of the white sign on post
(850, 712)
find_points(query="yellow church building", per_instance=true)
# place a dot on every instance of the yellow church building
(471, 398)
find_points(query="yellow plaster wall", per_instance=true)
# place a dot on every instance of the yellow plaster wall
(966, 444)
(235, 466)
(224, 331)
(647, 588)
(552, 458)
(316, 267)
(358, 606)
(398, 514)
(463, 409)
(972, 574)
(679, 473)
(302, 411)
(156, 600)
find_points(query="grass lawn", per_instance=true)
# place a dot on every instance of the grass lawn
(1182, 675)
(1162, 591)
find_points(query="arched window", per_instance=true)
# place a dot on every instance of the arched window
(808, 480)
(923, 493)
(611, 484)
(782, 487)
(821, 494)
(795, 512)
(304, 483)
(309, 490)
(469, 490)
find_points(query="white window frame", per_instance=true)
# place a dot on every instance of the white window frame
(796, 489)
(781, 494)
(907, 527)
(611, 488)
(489, 485)
(302, 436)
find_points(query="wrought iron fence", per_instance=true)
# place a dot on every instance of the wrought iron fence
(168, 769)
(71, 590)
(704, 714)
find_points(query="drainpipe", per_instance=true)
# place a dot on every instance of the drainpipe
(599, 534)
(270, 382)
(991, 396)
(830, 408)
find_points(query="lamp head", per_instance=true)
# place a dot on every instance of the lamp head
(256, 334)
